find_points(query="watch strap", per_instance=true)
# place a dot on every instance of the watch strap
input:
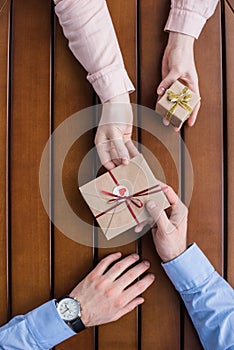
(77, 325)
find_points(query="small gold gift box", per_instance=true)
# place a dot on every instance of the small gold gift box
(177, 104)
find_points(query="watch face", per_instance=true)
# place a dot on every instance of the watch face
(69, 309)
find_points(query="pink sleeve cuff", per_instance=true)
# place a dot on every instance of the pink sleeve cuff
(110, 82)
(185, 22)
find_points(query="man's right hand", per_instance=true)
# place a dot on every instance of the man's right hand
(169, 229)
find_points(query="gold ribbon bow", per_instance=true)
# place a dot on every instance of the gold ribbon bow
(178, 99)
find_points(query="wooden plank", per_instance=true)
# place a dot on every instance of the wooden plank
(4, 22)
(30, 130)
(123, 14)
(153, 40)
(230, 3)
(159, 328)
(124, 19)
(204, 142)
(72, 261)
(229, 18)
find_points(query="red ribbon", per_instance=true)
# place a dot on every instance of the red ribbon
(128, 199)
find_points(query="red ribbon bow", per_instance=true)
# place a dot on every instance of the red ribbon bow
(128, 200)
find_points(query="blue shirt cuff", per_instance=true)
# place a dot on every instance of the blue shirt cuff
(46, 325)
(189, 270)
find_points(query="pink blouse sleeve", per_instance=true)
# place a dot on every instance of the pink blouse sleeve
(189, 16)
(88, 27)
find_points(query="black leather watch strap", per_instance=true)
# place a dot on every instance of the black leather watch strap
(77, 325)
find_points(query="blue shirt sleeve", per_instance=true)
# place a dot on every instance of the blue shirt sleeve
(41, 329)
(208, 298)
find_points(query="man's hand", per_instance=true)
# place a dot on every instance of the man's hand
(107, 293)
(178, 64)
(113, 137)
(169, 230)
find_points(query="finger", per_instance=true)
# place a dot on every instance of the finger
(130, 306)
(109, 165)
(170, 194)
(117, 162)
(138, 288)
(103, 150)
(132, 150)
(179, 210)
(160, 217)
(178, 213)
(160, 91)
(105, 263)
(114, 156)
(131, 275)
(193, 116)
(165, 122)
(121, 150)
(121, 266)
(140, 226)
(108, 154)
(171, 77)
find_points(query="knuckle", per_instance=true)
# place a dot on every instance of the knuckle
(140, 286)
(119, 302)
(133, 306)
(100, 285)
(122, 149)
(105, 261)
(92, 276)
(132, 275)
(119, 266)
(109, 292)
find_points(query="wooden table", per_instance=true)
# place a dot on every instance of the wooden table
(41, 84)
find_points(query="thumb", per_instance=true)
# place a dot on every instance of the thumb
(160, 217)
(167, 81)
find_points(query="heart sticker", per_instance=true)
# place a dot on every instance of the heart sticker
(121, 191)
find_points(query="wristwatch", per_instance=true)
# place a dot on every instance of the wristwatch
(69, 310)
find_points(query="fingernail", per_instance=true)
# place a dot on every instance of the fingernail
(147, 263)
(151, 205)
(139, 228)
(152, 276)
(161, 91)
(125, 160)
(135, 256)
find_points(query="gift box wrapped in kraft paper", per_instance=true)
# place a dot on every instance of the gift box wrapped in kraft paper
(177, 104)
(117, 198)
